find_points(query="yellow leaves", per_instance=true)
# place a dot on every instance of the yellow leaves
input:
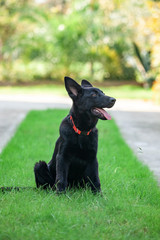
(106, 51)
(154, 20)
(154, 23)
(153, 26)
(151, 4)
(156, 53)
(156, 90)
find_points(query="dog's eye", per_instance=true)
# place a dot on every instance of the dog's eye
(94, 94)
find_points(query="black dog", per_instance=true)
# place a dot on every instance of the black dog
(74, 162)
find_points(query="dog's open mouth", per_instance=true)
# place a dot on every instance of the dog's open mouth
(101, 113)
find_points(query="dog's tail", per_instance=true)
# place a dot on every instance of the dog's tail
(17, 189)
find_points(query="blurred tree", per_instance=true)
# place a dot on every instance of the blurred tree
(146, 42)
(153, 26)
(85, 39)
(10, 28)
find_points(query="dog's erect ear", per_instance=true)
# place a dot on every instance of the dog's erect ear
(85, 83)
(72, 87)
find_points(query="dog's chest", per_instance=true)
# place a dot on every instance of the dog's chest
(84, 148)
(83, 143)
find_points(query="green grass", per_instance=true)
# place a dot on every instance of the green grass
(129, 208)
(124, 91)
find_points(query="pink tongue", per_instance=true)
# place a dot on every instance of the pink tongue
(105, 114)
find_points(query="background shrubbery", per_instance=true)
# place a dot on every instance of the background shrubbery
(94, 39)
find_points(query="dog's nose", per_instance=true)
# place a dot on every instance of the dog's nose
(112, 100)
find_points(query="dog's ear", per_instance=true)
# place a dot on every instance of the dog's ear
(72, 87)
(85, 83)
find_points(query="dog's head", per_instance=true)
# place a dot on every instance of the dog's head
(89, 99)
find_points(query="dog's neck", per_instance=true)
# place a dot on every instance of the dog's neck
(83, 120)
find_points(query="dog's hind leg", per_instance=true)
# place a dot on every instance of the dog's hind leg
(43, 176)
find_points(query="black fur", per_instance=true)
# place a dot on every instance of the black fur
(74, 161)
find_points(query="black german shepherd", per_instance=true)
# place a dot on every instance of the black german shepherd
(74, 161)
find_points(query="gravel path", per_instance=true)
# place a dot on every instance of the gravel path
(139, 122)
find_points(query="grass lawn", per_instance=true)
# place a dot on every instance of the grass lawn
(129, 208)
(124, 91)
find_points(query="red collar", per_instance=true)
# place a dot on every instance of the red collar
(77, 130)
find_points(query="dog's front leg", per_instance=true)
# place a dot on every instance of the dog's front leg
(93, 176)
(61, 173)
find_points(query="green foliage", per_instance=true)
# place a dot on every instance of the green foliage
(129, 208)
(144, 74)
(90, 39)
